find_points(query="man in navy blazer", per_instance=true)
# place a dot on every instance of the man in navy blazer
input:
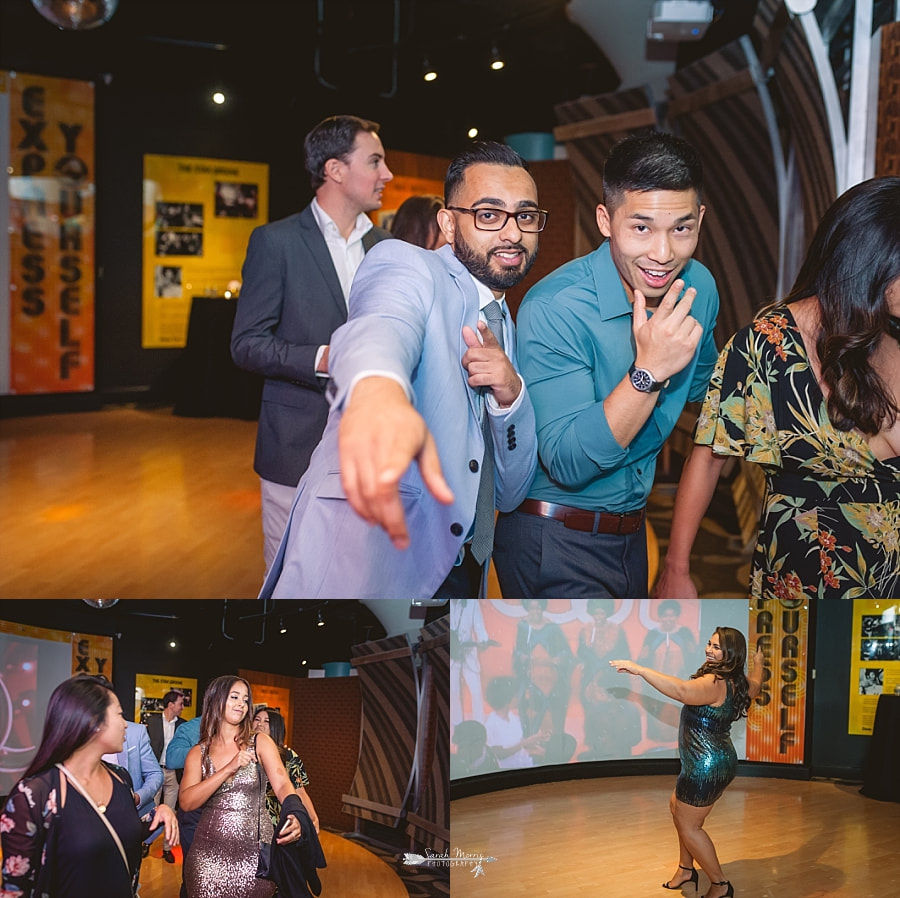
(296, 280)
(415, 373)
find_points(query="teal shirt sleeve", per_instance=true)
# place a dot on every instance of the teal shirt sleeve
(185, 738)
(575, 443)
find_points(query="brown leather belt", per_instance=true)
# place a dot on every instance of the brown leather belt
(586, 521)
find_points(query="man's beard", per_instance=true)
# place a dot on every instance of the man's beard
(479, 264)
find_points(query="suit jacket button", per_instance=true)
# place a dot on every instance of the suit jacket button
(473, 466)
(456, 529)
(511, 444)
(511, 430)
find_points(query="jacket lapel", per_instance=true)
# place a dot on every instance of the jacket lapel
(469, 315)
(312, 236)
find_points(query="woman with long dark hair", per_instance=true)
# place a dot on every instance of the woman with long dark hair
(70, 828)
(718, 694)
(415, 221)
(225, 773)
(811, 392)
(269, 721)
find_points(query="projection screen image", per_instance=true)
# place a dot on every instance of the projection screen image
(532, 680)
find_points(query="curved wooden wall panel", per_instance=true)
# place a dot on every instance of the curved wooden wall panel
(716, 105)
(588, 128)
(383, 778)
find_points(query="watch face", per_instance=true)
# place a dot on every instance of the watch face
(642, 380)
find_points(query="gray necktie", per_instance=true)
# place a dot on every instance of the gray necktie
(483, 538)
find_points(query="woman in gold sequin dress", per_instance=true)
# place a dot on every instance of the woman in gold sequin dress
(222, 775)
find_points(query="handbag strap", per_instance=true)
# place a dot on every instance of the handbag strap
(100, 814)
(258, 790)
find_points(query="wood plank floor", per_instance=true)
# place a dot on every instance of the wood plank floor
(137, 503)
(614, 836)
(129, 503)
(352, 872)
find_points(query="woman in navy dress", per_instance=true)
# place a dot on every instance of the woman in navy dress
(718, 694)
(54, 839)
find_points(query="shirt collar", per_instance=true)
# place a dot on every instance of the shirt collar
(485, 294)
(611, 296)
(330, 229)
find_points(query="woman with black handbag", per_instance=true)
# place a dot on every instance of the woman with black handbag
(69, 827)
(225, 774)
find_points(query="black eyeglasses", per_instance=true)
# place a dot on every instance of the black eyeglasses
(528, 221)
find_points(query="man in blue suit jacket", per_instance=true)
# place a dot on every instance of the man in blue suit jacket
(296, 280)
(138, 759)
(414, 372)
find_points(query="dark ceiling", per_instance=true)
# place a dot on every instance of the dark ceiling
(301, 60)
(214, 636)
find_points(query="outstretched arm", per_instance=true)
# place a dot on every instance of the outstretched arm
(705, 690)
(381, 435)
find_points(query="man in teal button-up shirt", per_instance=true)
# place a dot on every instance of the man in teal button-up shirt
(611, 346)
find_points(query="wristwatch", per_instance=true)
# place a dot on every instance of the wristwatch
(643, 381)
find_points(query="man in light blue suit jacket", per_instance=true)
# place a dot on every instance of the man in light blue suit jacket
(138, 759)
(413, 371)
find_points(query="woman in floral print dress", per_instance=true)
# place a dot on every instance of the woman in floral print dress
(811, 392)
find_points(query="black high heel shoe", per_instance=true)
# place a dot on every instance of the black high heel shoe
(724, 882)
(694, 878)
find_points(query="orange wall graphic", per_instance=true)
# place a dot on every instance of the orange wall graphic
(776, 724)
(50, 211)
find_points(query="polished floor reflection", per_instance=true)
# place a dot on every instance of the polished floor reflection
(614, 836)
(139, 503)
(129, 503)
(352, 872)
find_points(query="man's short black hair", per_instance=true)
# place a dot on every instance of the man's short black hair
(481, 151)
(651, 160)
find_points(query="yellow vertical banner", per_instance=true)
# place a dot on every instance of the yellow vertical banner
(874, 660)
(776, 724)
(198, 217)
(50, 212)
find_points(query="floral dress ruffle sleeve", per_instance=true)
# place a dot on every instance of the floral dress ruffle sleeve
(830, 521)
(24, 828)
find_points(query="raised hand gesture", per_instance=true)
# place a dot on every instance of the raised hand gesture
(667, 340)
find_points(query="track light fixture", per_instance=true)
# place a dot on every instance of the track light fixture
(319, 620)
(428, 71)
(281, 627)
(496, 62)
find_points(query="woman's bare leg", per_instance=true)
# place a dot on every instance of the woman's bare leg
(689, 823)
